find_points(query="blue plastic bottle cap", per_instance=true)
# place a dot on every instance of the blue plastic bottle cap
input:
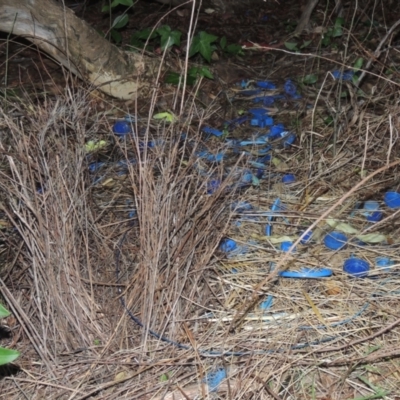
(356, 267)
(122, 128)
(335, 240)
(288, 178)
(392, 199)
(307, 273)
(227, 245)
(285, 246)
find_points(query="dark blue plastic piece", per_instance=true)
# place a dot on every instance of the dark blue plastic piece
(95, 166)
(285, 246)
(291, 89)
(346, 75)
(122, 128)
(266, 85)
(265, 100)
(212, 131)
(289, 139)
(275, 131)
(258, 112)
(213, 185)
(288, 178)
(307, 238)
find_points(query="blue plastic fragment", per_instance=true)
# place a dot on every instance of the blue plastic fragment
(392, 199)
(289, 138)
(237, 121)
(227, 245)
(212, 131)
(258, 112)
(288, 178)
(384, 262)
(285, 246)
(261, 121)
(211, 157)
(306, 238)
(291, 89)
(213, 185)
(122, 128)
(132, 213)
(267, 303)
(346, 75)
(214, 379)
(307, 273)
(276, 131)
(244, 83)
(265, 100)
(266, 85)
(95, 166)
(268, 230)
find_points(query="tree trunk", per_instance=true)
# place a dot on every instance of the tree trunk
(76, 45)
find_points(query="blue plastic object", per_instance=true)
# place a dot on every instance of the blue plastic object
(214, 379)
(291, 89)
(122, 128)
(212, 131)
(227, 245)
(374, 216)
(335, 240)
(267, 303)
(213, 185)
(356, 267)
(384, 262)
(392, 199)
(307, 238)
(307, 273)
(95, 166)
(275, 131)
(258, 112)
(265, 100)
(266, 85)
(289, 138)
(241, 206)
(288, 178)
(346, 75)
(371, 208)
(285, 246)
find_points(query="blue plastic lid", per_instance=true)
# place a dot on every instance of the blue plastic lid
(122, 128)
(307, 273)
(227, 245)
(384, 262)
(285, 246)
(356, 267)
(371, 205)
(335, 240)
(288, 178)
(392, 199)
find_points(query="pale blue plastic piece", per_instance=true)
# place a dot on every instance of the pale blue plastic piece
(213, 379)
(307, 273)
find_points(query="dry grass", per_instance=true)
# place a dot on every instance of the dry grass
(114, 277)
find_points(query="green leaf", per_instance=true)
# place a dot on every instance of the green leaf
(358, 64)
(337, 32)
(164, 377)
(223, 42)
(305, 44)
(8, 355)
(194, 47)
(291, 46)
(205, 71)
(234, 49)
(310, 79)
(4, 312)
(120, 21)
(166, 116)
(146, 33)
(339, 22)
(172, 78)
(105, 9)
(168, 37)
(116, 36)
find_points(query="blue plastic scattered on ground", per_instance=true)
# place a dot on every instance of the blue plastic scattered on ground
(227, 245)
(375, 216)
(213, 186)
(241, 206)
(288, 178)
(285, 246)
(266, 85)
(307, 238)
(212, 131)
(218, 157)
(288, 138)
(237, 121)
(122, 128)
(214, 379)
(267, 303)
(307, 273)
(392, 199)
(335, 240)
(275, 131)
(346, 75)
(95, 166)
(356, 267)
(384, 263)
(291, 90)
